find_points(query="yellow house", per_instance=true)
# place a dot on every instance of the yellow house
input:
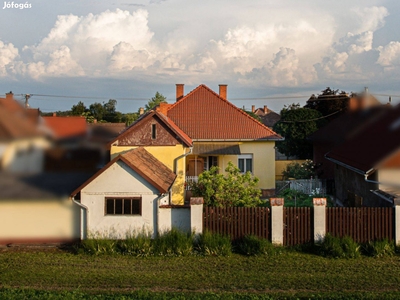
(200, 130)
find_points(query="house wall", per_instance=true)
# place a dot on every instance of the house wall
(347, 181)
(24, 155)
(390, 176)
(263, 161)
(38, 220)
(119, 181)
(174, 217)
(167, 155)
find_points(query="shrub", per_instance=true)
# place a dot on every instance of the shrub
(299, 171)
(335, 247)
(252, 245)
(214, 244)
(379, 248)
(173, 243)
(96, 246)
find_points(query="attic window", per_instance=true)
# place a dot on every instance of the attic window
(153, 131)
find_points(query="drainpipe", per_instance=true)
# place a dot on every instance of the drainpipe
(82, 219)
(158, 199)
(378, 182)
(176, 170)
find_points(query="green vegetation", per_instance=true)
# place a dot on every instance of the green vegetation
(226, 190)
(295, 198)
(380, 248)
(252, 245)
(335, 247)
(43, 274)
(296, 170)
(210, 244)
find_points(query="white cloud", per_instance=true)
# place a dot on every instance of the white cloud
(7, 55)
(369, 18)
(389, 55)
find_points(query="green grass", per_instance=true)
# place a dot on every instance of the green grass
(24, 274)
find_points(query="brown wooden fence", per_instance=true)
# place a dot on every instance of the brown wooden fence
(237, 221)
(362, 224)
(297, 228)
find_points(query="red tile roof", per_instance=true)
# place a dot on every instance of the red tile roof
(67, 127)
(204, 115)
(143, 163)
(372, 146)
(15, 126)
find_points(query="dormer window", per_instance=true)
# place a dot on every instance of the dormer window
(153, 131)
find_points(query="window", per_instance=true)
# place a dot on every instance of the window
(245, 163)
(153, 131)
(123, 206)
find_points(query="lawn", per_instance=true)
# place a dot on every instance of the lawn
(290, 275)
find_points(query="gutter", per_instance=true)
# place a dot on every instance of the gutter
(83, 230)
(238, 140)
(348, 167)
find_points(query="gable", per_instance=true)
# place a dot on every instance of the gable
(141, 133)
(204, 115)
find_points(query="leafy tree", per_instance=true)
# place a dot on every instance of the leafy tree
(78, 109)
(300, 171)
(295, 125)
(329, 103)
(156, 100)
(97, 111)
(230, 189)
(250, 113)
(129, 118)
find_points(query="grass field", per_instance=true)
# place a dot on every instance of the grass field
(290, 275)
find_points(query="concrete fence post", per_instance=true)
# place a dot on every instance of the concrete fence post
(196, 215)
(319, 219)
(277, 220)
(397, 221)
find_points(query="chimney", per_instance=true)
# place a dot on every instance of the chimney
(10, 95)
(265, 109)
(179, 91)
(366, 90)
(141, 111)
(54, 114)
(223, 90)
(253, 108)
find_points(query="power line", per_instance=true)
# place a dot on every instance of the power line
(323, 117)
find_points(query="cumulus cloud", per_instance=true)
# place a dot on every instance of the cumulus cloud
(7, 55)
(389, 55)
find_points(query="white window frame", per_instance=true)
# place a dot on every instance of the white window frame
(246, 157)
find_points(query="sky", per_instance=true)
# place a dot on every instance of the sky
(268, 52)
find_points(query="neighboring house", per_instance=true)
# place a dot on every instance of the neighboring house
(338, 131)
(37, 208)
(367, 164)
(268, 117)
(124, 197)
(72, 149)
(22, 144)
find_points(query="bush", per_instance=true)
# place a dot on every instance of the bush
(213, 244)
(299, 171)
(96, 246)
(335, 247)
(252, 245)
(380, 248)
(173, 243)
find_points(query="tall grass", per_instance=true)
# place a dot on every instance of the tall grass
(173, 243)
(136, 244)
(214, 244)
(379, 248)
(252, 245)
(336, 247)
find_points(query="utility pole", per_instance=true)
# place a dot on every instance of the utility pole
(27, 96)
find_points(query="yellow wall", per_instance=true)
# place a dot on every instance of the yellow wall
(166, 155)
(39, 219)
(280, 166)
(263, 161)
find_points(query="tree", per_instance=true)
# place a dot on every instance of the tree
(329, 103)
(153, 102)
(230, 189)
(295, 125)
(78, 109)
(253, 115)
(97, 111)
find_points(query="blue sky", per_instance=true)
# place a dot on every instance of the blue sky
(268, 52)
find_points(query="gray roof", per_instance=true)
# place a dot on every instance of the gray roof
(40, 186)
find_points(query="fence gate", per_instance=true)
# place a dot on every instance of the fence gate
(237, 221)
(297, 226)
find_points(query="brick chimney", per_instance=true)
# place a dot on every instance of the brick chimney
(10, 95)
(223, 90)
(141, 111)
(180, 90)
(265, 109)
(54, 114)
(253, 108)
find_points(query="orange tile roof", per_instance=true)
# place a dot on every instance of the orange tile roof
(66, 127)
(204, 115)
(14, 126)
(143, 163)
